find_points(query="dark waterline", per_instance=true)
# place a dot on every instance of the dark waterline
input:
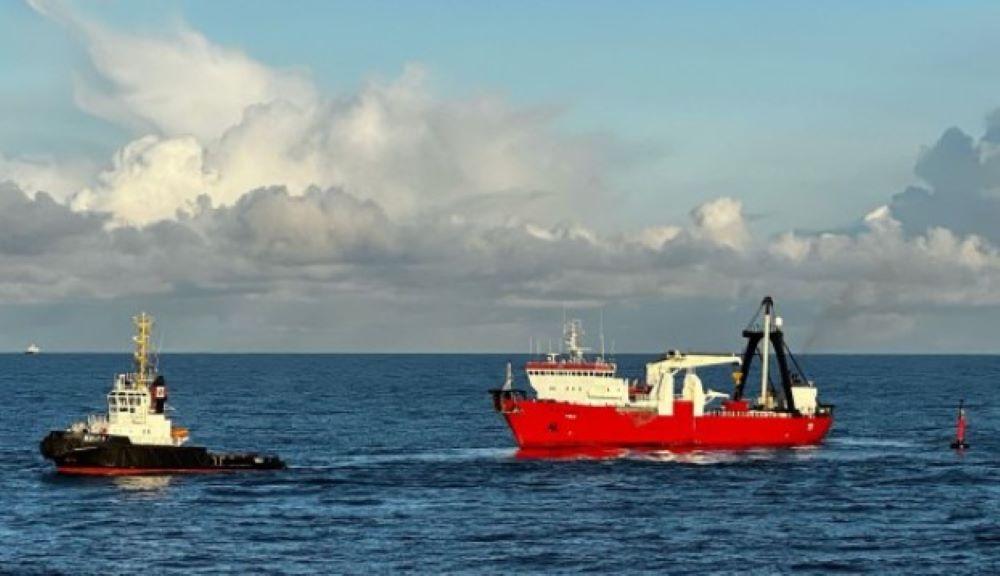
(398, 463)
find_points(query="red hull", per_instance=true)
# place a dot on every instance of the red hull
(547, 425)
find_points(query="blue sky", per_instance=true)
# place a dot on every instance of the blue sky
(773, 98)
(633, 117)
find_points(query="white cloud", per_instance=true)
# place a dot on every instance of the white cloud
(178, 84)
(246, 182)
(60, 179)
(890, 267)
(656, 237)
(150, 179)
(214, 121)
(721, 222)
(392, 143)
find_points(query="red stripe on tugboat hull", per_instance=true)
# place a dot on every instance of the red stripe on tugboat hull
(110, 471)
(546, 425)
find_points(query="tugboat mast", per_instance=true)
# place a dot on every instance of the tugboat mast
(144, 327)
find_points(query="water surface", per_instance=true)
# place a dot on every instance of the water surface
(399, 464)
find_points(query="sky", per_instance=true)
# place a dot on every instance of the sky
(451, 176)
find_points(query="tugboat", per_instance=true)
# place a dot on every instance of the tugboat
(135, 437)
(581, 403)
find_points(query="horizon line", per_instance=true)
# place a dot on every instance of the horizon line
(445, 353)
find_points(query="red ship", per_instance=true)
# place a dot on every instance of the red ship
(581, 402)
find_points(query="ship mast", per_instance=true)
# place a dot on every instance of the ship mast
(766, 356)
(572, 331)
(144, 328)
(602, 334)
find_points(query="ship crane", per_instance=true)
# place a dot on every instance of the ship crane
(765, 340)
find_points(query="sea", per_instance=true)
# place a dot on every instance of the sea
(398, 464)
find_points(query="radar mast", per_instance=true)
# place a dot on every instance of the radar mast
(143, 329)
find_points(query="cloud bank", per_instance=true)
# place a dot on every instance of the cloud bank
(246, 183)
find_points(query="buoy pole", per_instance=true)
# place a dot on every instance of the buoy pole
(960, 443)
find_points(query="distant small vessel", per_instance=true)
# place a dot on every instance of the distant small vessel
(32, 349)
(581, 402)
(135, 437)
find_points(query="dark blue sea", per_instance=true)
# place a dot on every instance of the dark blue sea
(398, 464)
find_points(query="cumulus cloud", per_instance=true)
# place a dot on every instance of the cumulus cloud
(212, 121)
(179, 84)
(882, 265)
(150, 179)
(317, 227)
(962, 185)
(721, 222)
(244, 182)
(39, 225)
(392, 143)
(61, 179)
(329, 246)
(270, 236)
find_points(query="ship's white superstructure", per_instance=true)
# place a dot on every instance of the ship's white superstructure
(137, 401)
(575, 379)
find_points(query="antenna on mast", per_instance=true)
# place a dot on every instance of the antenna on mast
(561, 341)
(602, 334)
(144, 327)
(156, 353)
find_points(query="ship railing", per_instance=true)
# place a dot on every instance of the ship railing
(748, 413)
(97, 423)
(505, 400)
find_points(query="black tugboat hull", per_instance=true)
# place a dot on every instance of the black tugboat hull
(99, 455)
